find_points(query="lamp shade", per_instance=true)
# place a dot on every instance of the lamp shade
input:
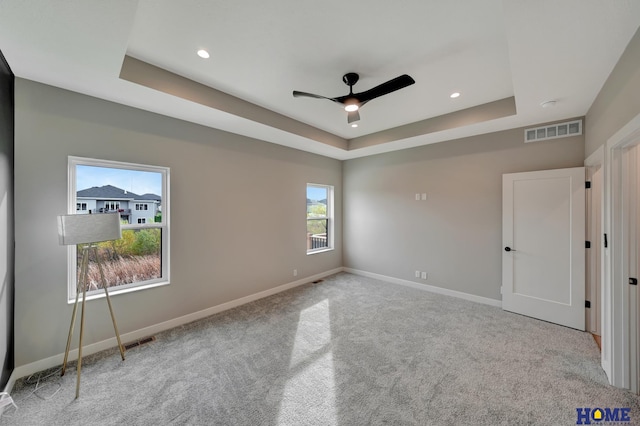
(88, 228)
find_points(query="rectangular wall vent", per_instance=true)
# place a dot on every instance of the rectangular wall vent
(554, 131)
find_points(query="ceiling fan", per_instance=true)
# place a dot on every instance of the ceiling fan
(354, 101)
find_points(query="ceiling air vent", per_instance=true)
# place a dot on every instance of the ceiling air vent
(555, 131)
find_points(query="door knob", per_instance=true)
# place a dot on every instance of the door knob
(509, 249)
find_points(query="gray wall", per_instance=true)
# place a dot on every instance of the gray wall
(455, 235)
(237, 213)
(6, 221)
(618, 101)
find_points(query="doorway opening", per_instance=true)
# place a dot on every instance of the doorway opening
(623, 183)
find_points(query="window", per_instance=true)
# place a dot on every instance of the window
(140, 259)
(110, 205)
(142, 207)
(319, 218)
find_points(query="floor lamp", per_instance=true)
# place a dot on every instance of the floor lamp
(88, 229)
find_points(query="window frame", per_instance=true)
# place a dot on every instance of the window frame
(329, 217)
(163, 225)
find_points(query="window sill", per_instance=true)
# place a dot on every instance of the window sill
(319, 251)
(114, 291)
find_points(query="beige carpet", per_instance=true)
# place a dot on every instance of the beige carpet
(347, 351)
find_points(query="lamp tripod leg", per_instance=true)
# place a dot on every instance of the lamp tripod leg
(84, 298)
(113, 318)
(73, 320)
(83, 272)
(82, 282)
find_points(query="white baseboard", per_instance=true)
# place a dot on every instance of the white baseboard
(8, 388)
(53, 361)
(427, 287)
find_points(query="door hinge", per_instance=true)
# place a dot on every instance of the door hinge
(605, 241)
(587, 244)
(587, 185)
(633, 281)
(587, 304)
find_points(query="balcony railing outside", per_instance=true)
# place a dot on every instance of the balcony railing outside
(123, 212)
(317, 235)
(317, 241)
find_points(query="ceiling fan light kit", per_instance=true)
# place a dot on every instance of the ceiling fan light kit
(354, 101)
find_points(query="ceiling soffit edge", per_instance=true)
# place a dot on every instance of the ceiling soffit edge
(490, 111)
(153, 77)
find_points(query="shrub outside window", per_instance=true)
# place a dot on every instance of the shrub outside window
(140, 259)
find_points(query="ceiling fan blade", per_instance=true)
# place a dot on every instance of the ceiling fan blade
(385, 88)
(353, 116)
(297, 94)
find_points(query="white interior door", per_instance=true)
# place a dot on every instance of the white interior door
(543, 233)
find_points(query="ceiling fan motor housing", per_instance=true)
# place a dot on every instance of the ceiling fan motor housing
(350, 78)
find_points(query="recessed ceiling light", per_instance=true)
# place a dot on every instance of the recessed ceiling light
(354, 125)
(203, 54)
(454, 95)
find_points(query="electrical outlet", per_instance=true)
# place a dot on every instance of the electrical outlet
(295, 272)
(424, 275)
(417, 274)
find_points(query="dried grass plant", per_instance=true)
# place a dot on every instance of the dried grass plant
(124, 270)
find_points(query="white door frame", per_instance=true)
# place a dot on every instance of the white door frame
(595, 160)
(630, 244)
(616, 311)
(594, 166)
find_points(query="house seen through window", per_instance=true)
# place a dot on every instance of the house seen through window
(319, 217)
(139, 194)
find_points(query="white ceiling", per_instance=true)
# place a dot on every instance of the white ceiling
(487, 50)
